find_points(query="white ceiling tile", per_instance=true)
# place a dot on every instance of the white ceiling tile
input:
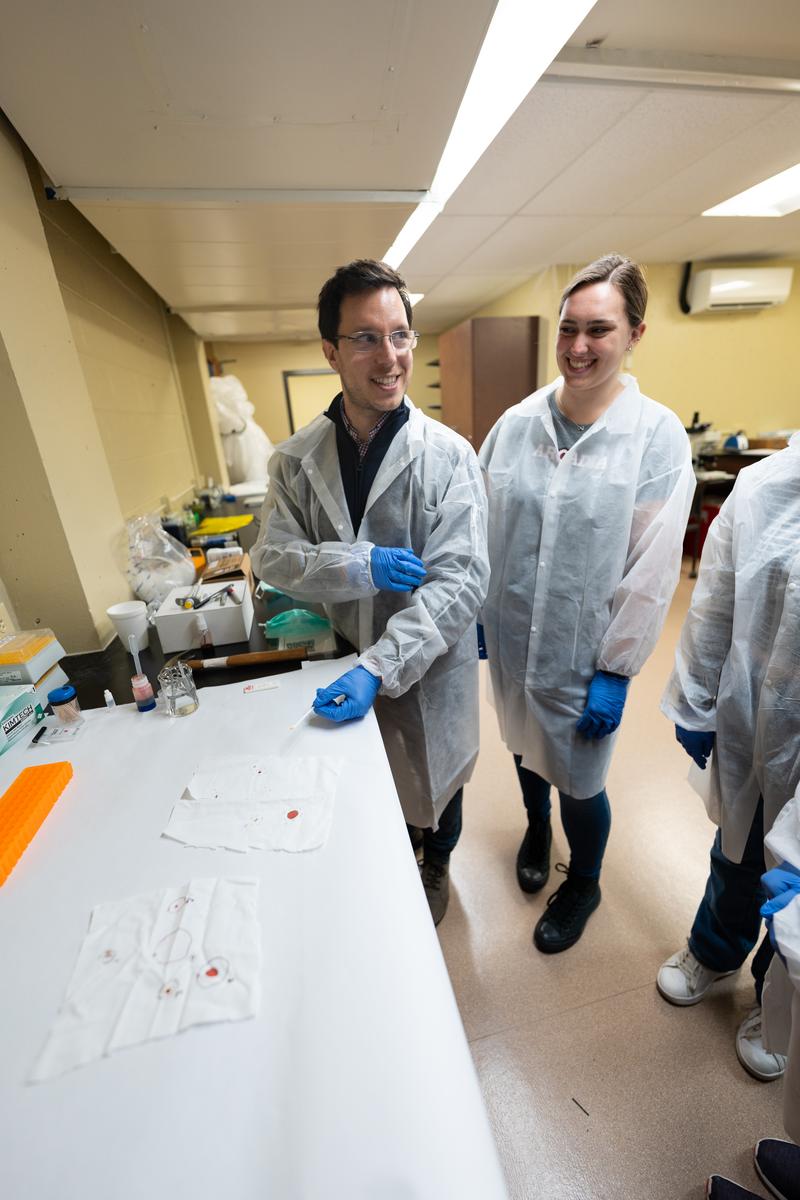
(611, 234)
(449, 241)
(298, 96)
(666, 132)
(242, 95)
(474, 290)
(523, 244)
(271, 224)
(548, 133)
(254, 326)
(751, 154)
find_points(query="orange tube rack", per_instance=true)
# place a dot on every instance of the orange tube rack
(24, 807)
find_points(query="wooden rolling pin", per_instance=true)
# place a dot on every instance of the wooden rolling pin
(250, 659)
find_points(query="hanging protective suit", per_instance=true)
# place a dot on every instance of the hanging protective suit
(427, 496)
(781, 997)
(737, 666)
(246, 446)
(585, 554)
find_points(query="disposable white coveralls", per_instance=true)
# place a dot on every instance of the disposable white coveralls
(246, 446)
(585, 554)
(428, 496)
(781, 998)
(737, 666)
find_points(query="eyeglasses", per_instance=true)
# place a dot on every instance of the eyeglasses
(366, 343)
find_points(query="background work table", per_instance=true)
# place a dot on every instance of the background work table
(354, 1081)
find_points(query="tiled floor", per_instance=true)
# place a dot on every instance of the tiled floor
(596, 1088)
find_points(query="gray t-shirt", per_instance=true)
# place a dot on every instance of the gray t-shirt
(567, 432)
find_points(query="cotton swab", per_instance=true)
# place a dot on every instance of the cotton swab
(310, 712)
(134, 649)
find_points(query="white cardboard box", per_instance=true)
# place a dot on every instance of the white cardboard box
(179, 629)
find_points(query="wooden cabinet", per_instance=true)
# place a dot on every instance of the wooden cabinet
(486, 365)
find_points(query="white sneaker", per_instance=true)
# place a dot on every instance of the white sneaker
(750, 1049)
(683, 980)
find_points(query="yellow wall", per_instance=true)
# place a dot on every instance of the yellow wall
(735, 368)
(56, 493)
(259, 365)
(118, 323)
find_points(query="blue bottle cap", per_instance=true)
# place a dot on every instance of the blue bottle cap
(62, 695)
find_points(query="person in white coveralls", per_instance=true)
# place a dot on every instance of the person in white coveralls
(589, 485)
(734, 696)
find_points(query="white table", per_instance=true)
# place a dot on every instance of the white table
(355, 1080)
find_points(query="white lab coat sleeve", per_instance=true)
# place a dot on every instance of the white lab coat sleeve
(286, 557)
(783, 839)
(690, 697)
(652, 568)
(446, 604)
(786, 926)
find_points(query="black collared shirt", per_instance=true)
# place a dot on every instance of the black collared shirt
(358, 474)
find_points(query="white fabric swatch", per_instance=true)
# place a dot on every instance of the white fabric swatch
(248, 803)
(155, 964)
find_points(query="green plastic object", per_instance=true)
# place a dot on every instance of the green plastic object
(296, 623)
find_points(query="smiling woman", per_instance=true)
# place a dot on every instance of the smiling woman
(589, 487)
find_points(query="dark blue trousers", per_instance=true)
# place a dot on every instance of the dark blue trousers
(440, 845)
(728, 921)
(587, 823)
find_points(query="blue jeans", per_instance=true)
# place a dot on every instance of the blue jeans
(439, 845)
(587, 823)
(728, 921)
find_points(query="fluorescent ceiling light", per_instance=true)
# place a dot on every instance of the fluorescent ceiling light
(522, 40)
(415, 297)
(774, 197)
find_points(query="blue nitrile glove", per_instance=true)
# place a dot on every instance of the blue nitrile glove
(482, 651)
(359, 688)
(783, 886)
(395, 569)
(604, 704)
(697, 744)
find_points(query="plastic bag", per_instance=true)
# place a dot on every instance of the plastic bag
(247, 447)
(157, 562)
(296, 622)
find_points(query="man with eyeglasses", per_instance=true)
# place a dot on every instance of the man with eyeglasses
(379, 513)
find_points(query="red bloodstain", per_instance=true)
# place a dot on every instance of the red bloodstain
(212, 971)
(291, 815)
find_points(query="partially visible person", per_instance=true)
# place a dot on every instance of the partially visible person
(378, 512)
(782, 985)
(734, 695)
(589, 486)
(777, 1164)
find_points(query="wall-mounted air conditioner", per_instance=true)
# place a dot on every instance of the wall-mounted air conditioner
(739, 289)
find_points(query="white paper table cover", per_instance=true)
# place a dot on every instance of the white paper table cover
(354, 1081)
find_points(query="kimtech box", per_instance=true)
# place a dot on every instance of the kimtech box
(20, 709)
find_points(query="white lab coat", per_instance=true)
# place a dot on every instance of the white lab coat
(737, 666)
(427, 495)
(781, 998)
(585, 555)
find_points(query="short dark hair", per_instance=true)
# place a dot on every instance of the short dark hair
(363, 275)
(626, 276)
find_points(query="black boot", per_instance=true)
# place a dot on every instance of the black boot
(568, 910)
(533, 856)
